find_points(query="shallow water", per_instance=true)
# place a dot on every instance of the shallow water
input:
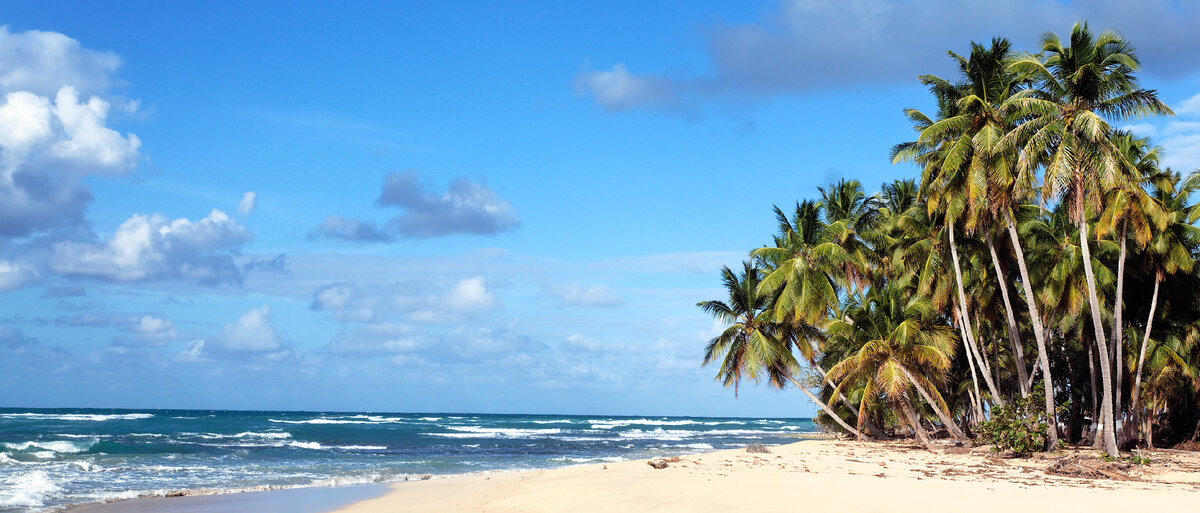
(60, 457)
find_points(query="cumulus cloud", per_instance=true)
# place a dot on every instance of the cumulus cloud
(345, 301)
(14, 275)
(806, 45)
(466, 298)
(466, 207)
(147, 330)
(1180, 137)
(147, 248)
(251, 333)
(618, 90)
(53, 130)
(248, 203)
(470, 294)
(574, 294)
(42, 62)
(338, 227)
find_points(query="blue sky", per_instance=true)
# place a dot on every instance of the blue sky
(445, 206)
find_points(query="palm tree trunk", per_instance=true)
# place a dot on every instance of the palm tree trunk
(966, 320)
(1117, 325)
(1093, 430)
(1137, 377)
(948, 422)
(1014, 335)
(1107, 421)
(828, 411)
(1038, 333)
(870, 426)
(914, 422)
(975, 398)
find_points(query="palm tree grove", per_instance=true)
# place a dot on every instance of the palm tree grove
(1035, 287)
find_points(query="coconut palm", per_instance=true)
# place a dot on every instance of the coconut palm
(1170, 251)
(1078, 87)
(895, 344)
(748, 348)
(1128, 213)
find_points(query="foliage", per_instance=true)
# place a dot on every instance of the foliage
(1018, 426)
(1041, 252)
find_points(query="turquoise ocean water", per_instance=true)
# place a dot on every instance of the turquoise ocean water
(54, 458)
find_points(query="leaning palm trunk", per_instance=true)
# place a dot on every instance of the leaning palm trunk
(1038, 333)
(828, 411)
(1014, 336)
(914, 422)
(1107, 421)
(1093, 432)
(948, 422)
(1115, 350)
(975, 398)
(965, 318)
(1137, 377)
(865, 422)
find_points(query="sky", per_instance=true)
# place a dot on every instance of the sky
(450, 206)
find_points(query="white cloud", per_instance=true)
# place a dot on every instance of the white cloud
(574, 294)
(15, 275)
(251, 333)
(53, 130)
(470, 295)
(248, 203)
(193, 353)
(156, 248)
(346, 303)
(465, 208)
(150, 326)
(808, 45)
(42, 62)
(1190, 106)
(617, 90)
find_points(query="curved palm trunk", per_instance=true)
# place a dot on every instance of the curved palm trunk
(865, 422)
(1014, 335)
(1107, 421)
(1093, 432)
(828, 411)
(1116, 349)
(1137, 377)
(948, 422)
(974, 378)
(1038, 332)
(965, 318)
(914, 422)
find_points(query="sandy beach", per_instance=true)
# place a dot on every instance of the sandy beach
(817, 475)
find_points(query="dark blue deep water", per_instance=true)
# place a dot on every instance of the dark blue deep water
(60, 457)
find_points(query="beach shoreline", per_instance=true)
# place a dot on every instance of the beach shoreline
(817, 472)
(847, 475)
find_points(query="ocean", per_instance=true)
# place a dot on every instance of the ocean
(53, 458)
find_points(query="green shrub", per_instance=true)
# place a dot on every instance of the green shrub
(1019, 426)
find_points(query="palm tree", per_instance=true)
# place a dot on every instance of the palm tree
(1170, 251)
(1078, 86)
(748, 348)
(894, 343)
(1128, 211)
(802, 231)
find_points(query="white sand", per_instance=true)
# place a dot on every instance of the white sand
(813, 475)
